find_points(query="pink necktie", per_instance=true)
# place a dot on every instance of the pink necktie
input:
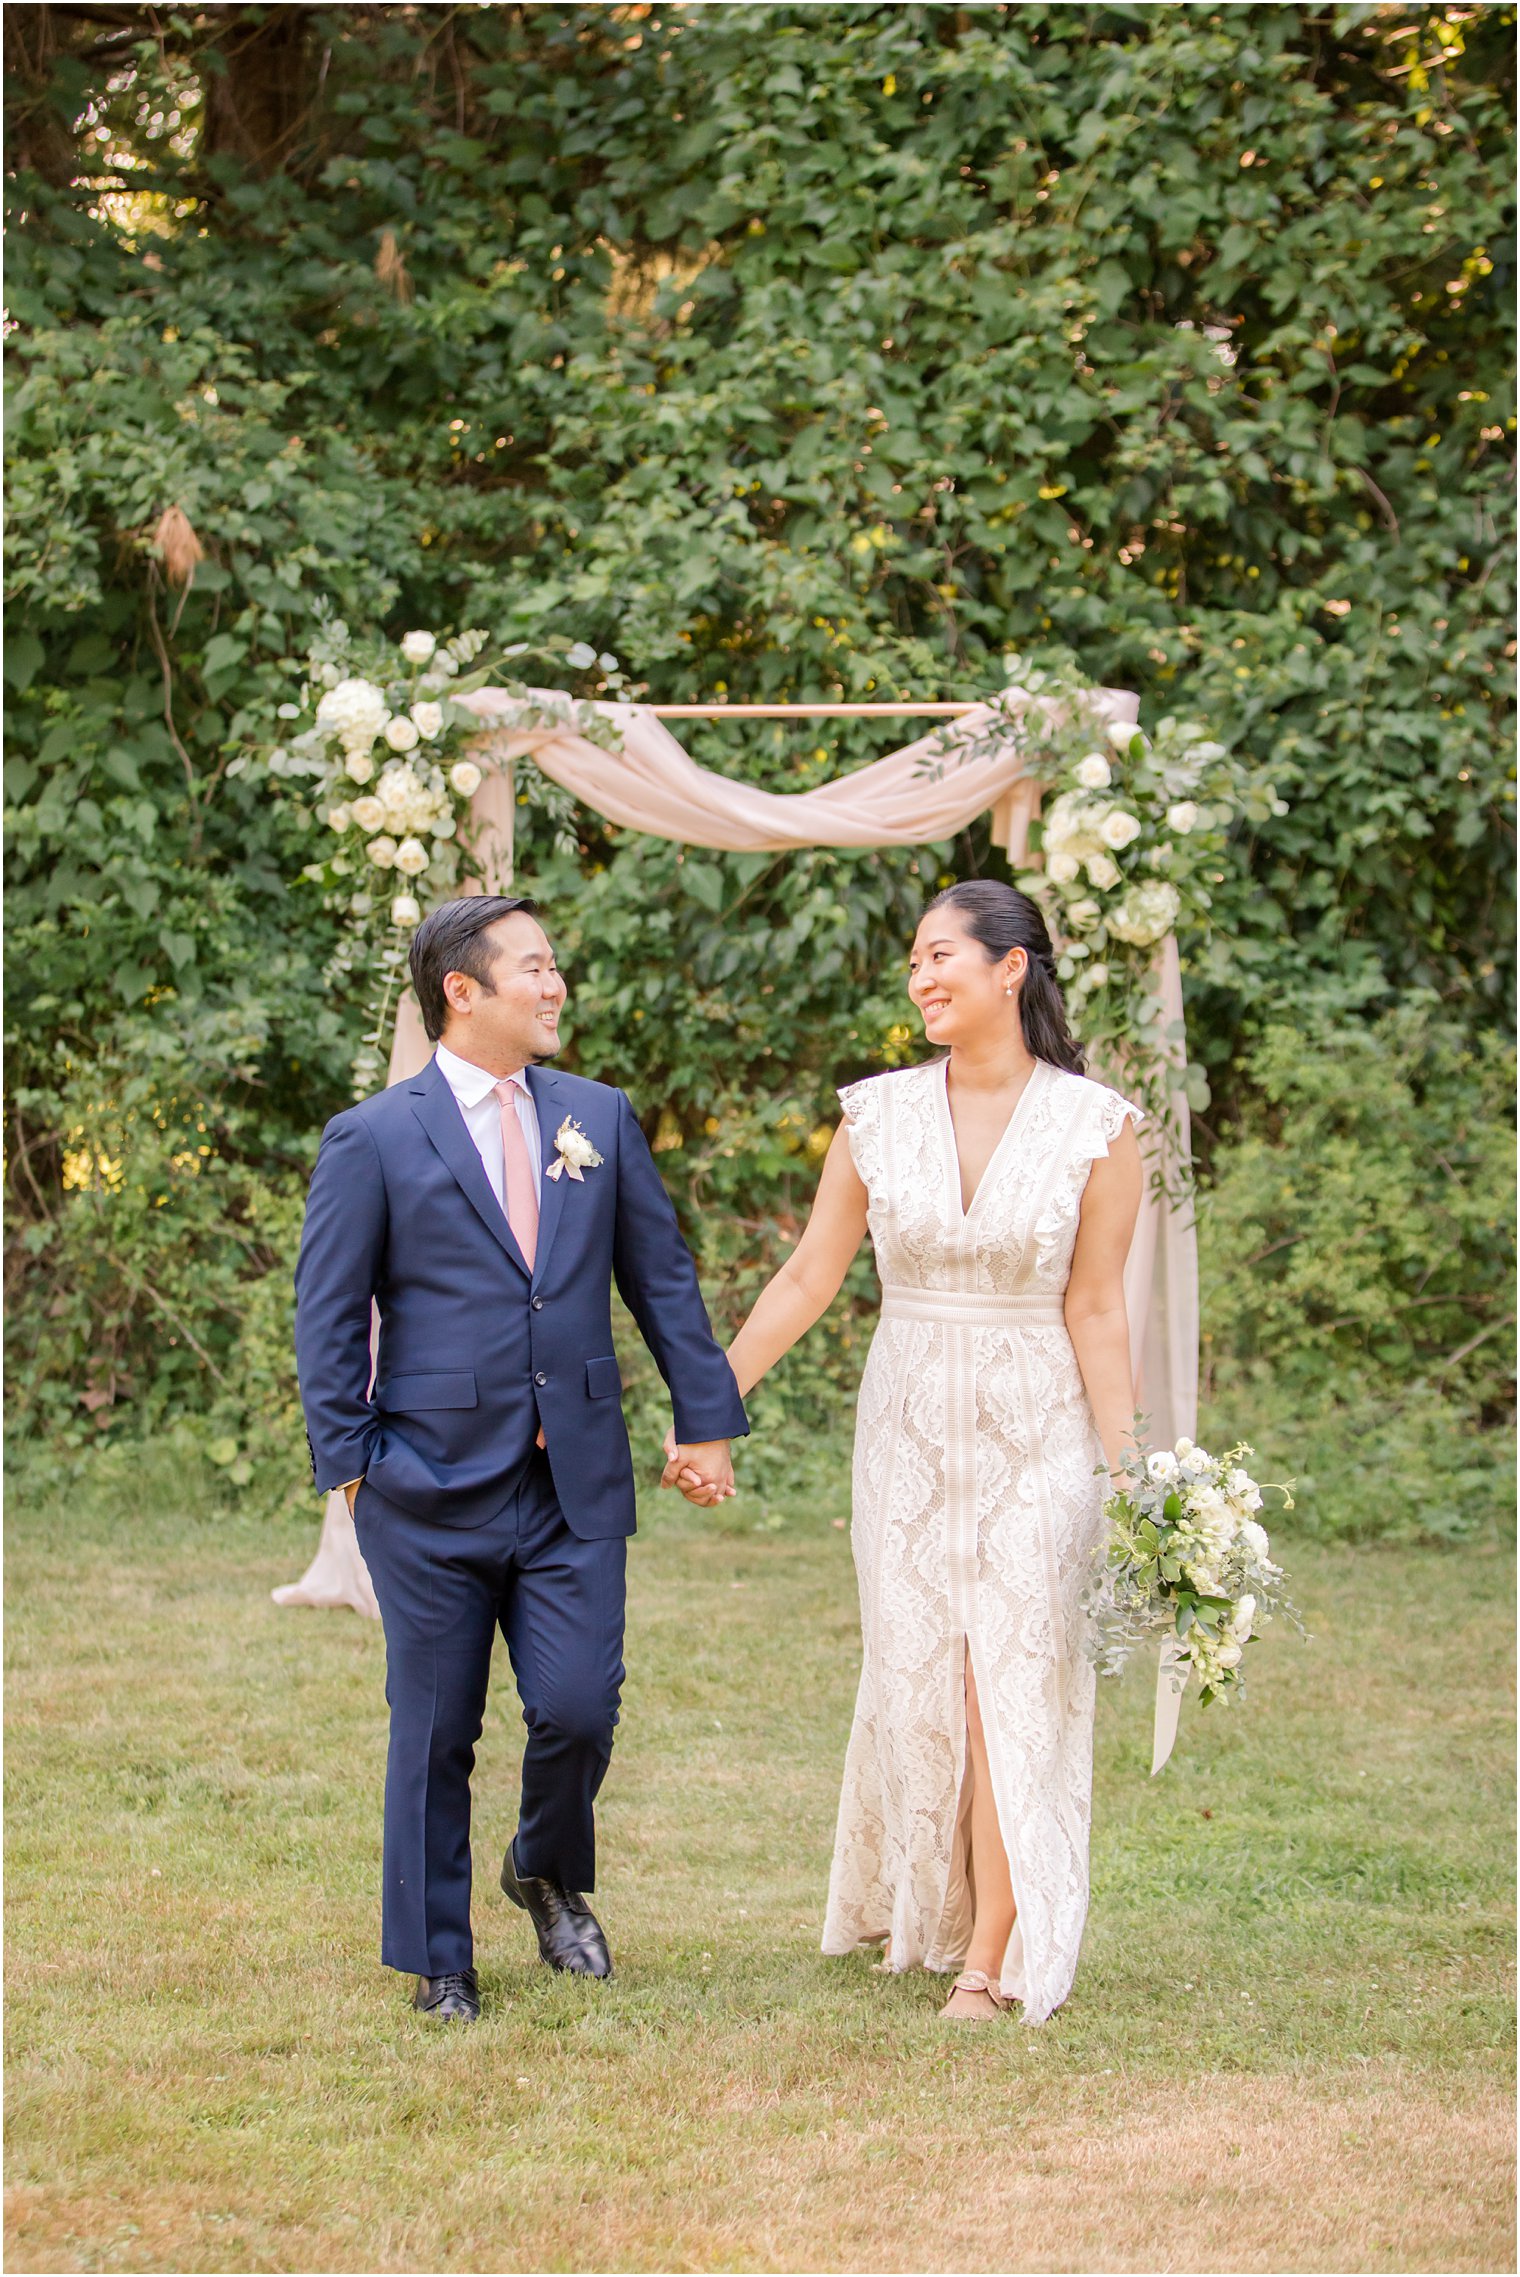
(517, 1174)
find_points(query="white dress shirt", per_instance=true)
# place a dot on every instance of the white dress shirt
(475, 1089)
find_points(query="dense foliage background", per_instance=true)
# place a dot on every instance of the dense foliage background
(785, 352)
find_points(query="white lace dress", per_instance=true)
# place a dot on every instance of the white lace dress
(975, 1511)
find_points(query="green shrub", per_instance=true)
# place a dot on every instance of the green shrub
(1357, 1253)
(152, 1281)
(787, 352)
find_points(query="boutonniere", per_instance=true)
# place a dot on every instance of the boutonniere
(576, 1152)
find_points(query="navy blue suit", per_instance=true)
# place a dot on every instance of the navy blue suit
(465, 1525)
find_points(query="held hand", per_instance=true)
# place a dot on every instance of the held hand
(703, 1470)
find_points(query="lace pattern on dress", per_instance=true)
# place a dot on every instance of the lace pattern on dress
(975, 1511)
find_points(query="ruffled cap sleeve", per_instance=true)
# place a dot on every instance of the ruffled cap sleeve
(862, 1104)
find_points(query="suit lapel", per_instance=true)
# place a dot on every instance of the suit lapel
(437, 1110)
(543, 1085)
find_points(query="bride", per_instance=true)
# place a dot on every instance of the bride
(1000, 1188)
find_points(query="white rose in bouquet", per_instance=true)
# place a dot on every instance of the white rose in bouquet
(1119, 828)
(398, 787)
(465, 777)
(1182, 817)
(1094, 772)
(368, 813)
(382, 852)
(401, 734)
(405, 911)
(417, 647)
(1122, 733)
(358, 766)
(1146, 914)
(427, 719)
(411, 857)
(1161, 1466)
(1243, 1490)
(1103, 872)
(1066, 824)
(337, 818)
(1254, 1537)
(1243, 1616)
(1081, 916)
(1063, 869)
(354, 711)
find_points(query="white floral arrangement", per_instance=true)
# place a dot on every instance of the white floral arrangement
(385, 761)
(1187, 1559)
(574, 1152)
(1129, 843)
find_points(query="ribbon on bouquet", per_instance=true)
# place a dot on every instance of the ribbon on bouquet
(1171, 1683)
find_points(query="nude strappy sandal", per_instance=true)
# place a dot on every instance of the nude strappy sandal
(976, 1981)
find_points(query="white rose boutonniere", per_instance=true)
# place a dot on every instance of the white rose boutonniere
(576, 1152)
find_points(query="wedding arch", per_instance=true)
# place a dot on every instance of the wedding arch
(909, 798)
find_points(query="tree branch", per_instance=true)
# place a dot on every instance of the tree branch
(168, 674)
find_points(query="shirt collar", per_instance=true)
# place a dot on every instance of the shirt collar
(469, 1083)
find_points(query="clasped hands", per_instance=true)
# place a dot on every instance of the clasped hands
(703, 1470)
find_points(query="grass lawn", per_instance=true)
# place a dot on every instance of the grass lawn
(1288, 2048)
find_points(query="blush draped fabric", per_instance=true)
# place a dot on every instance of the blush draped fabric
(915, 796)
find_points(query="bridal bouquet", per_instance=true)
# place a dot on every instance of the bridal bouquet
(1186, 1559)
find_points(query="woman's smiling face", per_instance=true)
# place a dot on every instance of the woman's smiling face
(959, 990)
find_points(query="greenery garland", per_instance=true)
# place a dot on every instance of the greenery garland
(1129, 844)
(386, 757)
(1129, 841)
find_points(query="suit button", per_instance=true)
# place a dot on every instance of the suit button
(540, 1378)
(538, 1304)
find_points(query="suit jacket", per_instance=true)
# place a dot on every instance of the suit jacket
(476, 1352)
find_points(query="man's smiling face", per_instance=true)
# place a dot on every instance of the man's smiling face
(514, 1021)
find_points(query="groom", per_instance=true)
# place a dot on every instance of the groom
(486, 1208)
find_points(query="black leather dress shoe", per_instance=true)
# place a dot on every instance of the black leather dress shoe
(569, 1934)
(454, 1996)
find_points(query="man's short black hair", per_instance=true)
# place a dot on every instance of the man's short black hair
(449, 940)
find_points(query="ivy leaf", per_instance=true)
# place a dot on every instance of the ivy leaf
(24, 655)
(704, 883)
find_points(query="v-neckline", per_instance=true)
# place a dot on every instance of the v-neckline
(965, 1211)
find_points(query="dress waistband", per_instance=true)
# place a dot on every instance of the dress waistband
(970, 1308)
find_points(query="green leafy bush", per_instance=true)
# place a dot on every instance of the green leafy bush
(159, 1286)
(1358, 1273)
(785, 352)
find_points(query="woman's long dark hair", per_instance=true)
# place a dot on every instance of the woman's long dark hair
(1001, 918)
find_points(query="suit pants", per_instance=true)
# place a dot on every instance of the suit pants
(443, 1592)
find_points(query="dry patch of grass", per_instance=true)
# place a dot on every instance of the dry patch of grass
(1288, 2047)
